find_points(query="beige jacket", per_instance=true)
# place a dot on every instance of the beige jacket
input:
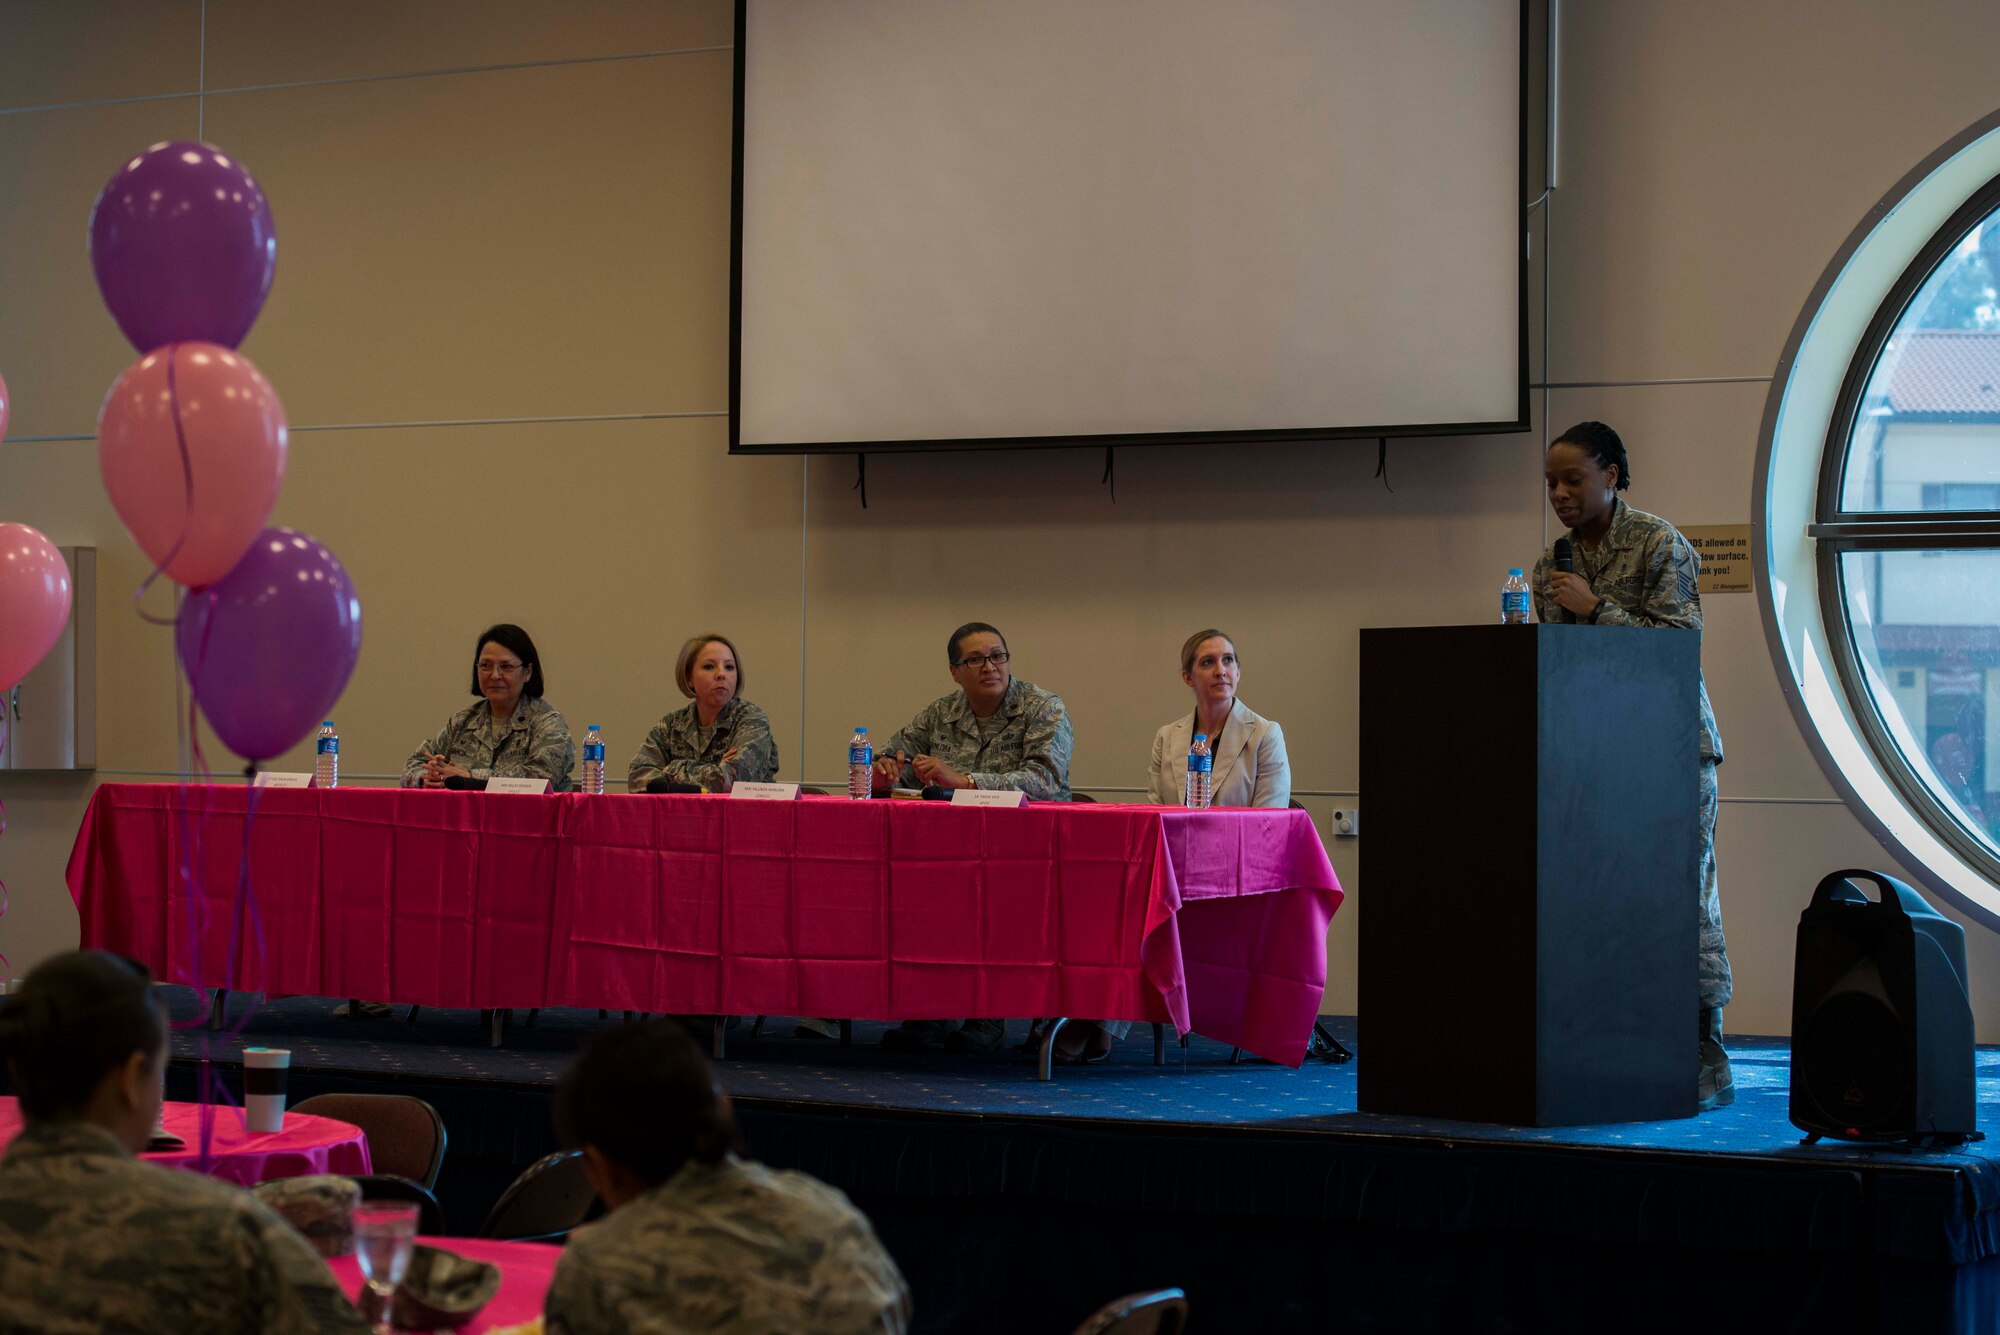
(1249, 771)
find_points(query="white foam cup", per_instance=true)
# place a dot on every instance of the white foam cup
(264, 1074)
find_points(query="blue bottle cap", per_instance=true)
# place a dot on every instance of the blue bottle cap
(861, 730)
(1513, 570)
(1201, 737)
(326, 723)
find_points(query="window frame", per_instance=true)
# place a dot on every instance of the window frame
(1880, 270)
(1841, 532)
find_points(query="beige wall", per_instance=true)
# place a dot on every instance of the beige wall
(494, 214)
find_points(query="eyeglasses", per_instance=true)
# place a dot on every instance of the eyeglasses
(498, 669)
(981, 660)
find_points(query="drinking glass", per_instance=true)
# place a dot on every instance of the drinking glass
(385, 1233)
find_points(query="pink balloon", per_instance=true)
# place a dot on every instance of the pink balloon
(34, 601)
(6, 406)
(192, 444)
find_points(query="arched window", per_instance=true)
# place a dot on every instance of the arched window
(1879, 515)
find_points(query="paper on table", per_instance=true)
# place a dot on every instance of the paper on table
(765, 792)
(986, 797)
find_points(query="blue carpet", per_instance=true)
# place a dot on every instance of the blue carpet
(1218, 1177)
(1196, 1086)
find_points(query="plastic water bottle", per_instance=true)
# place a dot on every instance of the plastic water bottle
(860, 764)
(1200, 776)
(593, 760)
(1514, 599)
(326, 769)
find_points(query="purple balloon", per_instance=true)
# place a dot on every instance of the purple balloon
(183, 245)
(268, 647)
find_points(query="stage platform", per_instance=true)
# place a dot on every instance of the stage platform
(1016, 1205)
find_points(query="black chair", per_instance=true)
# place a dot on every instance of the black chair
(1162, 1312)
(545, 1202)
(1081, 797)
(389, 1187)
(1296, 805)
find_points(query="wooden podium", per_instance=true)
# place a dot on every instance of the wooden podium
(1528, 874)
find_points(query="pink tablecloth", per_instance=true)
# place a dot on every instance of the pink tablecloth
(1213, 920)
(306, 1146)
(525, 1271)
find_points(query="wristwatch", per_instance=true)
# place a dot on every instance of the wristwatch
(1592, 619)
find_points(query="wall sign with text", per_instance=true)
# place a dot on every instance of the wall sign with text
(1725, 556)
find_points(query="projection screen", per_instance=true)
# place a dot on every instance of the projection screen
(991, 223)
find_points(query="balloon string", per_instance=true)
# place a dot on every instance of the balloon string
(6, 969)
(187, 489)
(186, 745)
(245, 908)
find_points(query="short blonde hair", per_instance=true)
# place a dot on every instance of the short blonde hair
(684, 665)
(1194, 643)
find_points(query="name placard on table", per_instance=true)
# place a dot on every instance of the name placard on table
(517, 785)
(765, 792)
(987, 797)
(278, 778)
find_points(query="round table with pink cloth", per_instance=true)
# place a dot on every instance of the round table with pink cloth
(306, 1146)
(525, 1271)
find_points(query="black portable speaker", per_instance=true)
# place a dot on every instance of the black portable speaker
(1881, 1019)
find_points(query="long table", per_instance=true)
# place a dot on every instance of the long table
(1214, 921)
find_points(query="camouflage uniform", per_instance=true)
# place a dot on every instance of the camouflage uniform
(674, 749)
(1646, 573)
(533, 744)
(92, 1239)
(1029, 748)
(733, 1246)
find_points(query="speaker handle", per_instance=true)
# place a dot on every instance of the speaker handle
(1894, 893)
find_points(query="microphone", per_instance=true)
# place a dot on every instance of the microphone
(1565, 557)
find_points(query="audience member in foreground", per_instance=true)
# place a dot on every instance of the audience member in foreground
(93, 1239)
(697, 1238)
(718, 739)
(511, 733)
(994, 731)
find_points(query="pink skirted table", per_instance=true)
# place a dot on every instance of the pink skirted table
(525, 1271)
(306, 1146)
(886, 910)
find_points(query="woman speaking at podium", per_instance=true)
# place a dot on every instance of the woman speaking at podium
(1623, 567)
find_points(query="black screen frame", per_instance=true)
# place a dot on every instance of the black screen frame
(1521, 421)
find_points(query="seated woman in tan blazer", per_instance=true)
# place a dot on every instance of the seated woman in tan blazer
(1250, 769)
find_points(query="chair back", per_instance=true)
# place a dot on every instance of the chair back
(1081, 797)
(544, 1203)
(405, 1135)
(1161, 1312)
(389, 1187)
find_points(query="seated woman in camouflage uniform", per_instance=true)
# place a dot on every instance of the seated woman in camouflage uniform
(994, 731)
(511, 733)
(697, 1238)
(94, 1239)
(718, 739)
(1630, 568)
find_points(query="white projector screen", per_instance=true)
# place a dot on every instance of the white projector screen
(989, 223)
